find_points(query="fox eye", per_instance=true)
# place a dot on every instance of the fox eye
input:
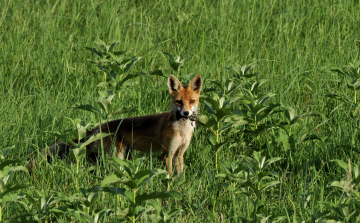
(192, 101)
(178, 102)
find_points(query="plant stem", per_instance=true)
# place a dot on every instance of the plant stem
(355, 96)
(234, 203)
(133, 217)
(217, 141)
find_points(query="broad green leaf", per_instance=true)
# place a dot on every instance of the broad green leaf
(103, 84)
(129, 76)
(175, 63)
(355, 70)
(15, 218)
(125, 164)
(122, 212)
(218, 146)
(268, 184)
(341, 184)
(157, 206)
(103, 94)
(342, 72)
(101, 44)
(156, 194)
(226, 127)
(238, 120)
(129, 183)
(209, 108)
(264, 98)
(288, 141)
(155, 172)
(141, 174)
(271, 160)
(278, 219)
(6, 163)
(79, 133)
(221, 102)
(342, 164)
(337, 97)
(14, 187)
(304, 115)
(9, 197)
(93, 50)
(307, 137)
(220, 114)
(122, 110)
(212, 101)
(110, 49)
(205, 121)
(212, 140)
(77, 153)
(158, 73)
(239, 169)
(172, 213)
(89, 108)
(104, 103)
(289, 113)
(252, 165)
(263, 174)
(85, 216)
(94, 138)
(257, 157)
(356, 85)
(110, 179)
(221, 175)
(216, 82)
(234, 99)
(63, 137)
(100, 214)
(259, 108)
(120, 191)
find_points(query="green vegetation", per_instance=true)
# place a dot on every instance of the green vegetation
(278, 139)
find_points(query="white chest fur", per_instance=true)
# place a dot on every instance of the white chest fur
(185, 128)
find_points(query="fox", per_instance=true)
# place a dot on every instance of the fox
(169, 133)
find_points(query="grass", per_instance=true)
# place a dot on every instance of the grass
(44, 71)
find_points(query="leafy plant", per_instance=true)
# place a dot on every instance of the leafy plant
(7, 169)
(105, 105)
(348, 209)
(175, 63)
(163, 215)
(130, 174)
(287, 138)
(255, 106)
(250, 178)
(113, 63)
(352, 75)
(217, 122)
(82, 207)
(242, 74)
(78, 151)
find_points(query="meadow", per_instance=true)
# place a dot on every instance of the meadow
(278, 134)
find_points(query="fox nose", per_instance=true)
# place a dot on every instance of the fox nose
(186, 113)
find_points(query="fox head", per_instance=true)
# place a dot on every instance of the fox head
(185, 98)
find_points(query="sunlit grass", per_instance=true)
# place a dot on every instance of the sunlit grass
(44, 71)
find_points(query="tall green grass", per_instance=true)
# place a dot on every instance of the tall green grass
(44, 71)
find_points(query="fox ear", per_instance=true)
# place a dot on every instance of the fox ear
(174, 84)
(196, 83)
